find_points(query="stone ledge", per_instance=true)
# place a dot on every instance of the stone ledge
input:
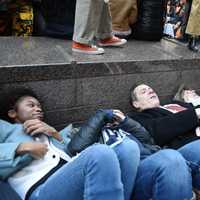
(75, 70)
(74, 86)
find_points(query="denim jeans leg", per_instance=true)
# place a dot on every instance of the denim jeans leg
(93, 175)
(191, 152)
(163, 176)
(7, 192)
(129, 157)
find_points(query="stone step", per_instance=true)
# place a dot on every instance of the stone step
(75, 85)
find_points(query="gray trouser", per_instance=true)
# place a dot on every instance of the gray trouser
(92, 20)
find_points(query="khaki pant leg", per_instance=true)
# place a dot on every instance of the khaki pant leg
(87, 20)
(193, 26)
(124, 13)
(105, 26)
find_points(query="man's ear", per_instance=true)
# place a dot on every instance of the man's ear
(12, 114)
(135, 104)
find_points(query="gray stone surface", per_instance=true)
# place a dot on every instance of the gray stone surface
(33, 50)
(43, 50)
(74, 85)
(56, 94)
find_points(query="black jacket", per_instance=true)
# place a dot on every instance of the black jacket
(90, 133)
(166, 128)
(141, 136)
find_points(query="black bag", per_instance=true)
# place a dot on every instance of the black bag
(55, 18)
(5, 23)
(149, 25)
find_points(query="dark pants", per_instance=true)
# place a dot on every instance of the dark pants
(7, 193)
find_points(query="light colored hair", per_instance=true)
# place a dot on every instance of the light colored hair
(179, 96)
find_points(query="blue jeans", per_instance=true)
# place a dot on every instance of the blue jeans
(99, 172)
(191, 153)
(7, 193)
(162, 176)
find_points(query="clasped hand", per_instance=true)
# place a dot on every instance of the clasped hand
(37, 149)
(36, 126)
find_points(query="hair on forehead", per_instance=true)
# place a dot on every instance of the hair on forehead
(133, 96)
(9, 98)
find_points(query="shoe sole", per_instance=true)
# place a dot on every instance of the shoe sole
(88, 52)
(117, 44)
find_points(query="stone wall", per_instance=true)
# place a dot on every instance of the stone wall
(71, 92)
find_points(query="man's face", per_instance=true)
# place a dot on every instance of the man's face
(26, 108)
(146, 98)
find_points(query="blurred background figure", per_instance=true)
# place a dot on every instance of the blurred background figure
(16, 18)
(177, 14)
(193, 26)
(22, 17)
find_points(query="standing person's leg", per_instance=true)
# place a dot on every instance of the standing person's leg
(193, 25)
(128, 154)
(94, 175)
(87, 20)
(124, 14)
(163, 176)
(191, 152)
(104, 31)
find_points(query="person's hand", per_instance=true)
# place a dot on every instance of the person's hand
(197, 110)
(35, 149)
(197, 131)
(118, 115)
(36, 126)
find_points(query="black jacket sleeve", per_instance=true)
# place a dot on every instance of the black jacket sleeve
(88, 134)
(136, 129)
(165, 128)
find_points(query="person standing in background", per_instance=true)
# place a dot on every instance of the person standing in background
(193, 26)
(93, 24)
(124, 14)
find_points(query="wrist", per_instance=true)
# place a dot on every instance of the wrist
(123, 119)
(57, 136)
(23, 148)
(197, 111)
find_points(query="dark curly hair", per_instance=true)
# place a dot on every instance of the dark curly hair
(9, 98)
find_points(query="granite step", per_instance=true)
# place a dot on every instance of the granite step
(74, 85)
